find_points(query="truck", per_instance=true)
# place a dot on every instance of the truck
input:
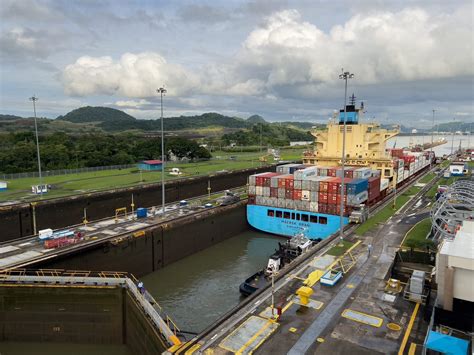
(228, 198)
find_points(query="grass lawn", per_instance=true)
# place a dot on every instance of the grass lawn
(412, 191)
(383, 215)
(63, 185)
(443, 181)
(416, 237)
(339, 250)
(427, 178)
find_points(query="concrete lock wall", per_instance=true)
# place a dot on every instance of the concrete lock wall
(82, 315)
(161, 245)
(16, 221)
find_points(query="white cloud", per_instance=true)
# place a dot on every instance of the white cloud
(134, 75)
(289, 57)
(378, 47)
(132, 103)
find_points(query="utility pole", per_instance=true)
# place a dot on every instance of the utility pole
(452, 137)
(344, 76)
(162, 91)
(34, 99)
(431, 149)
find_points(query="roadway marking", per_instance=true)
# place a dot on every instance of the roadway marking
(362, 318)
(249, 335)
(408, 331)
(292, 329)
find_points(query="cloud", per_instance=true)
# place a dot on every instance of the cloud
(379, 47)
(134, 75)
(28, 10)
(20, 41)
(288, 57)
(203, 14)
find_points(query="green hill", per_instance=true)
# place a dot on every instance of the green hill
(256, 119)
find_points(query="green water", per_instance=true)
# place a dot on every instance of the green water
(197, 290)
(14, 348)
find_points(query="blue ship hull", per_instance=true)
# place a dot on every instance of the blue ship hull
(286, 222)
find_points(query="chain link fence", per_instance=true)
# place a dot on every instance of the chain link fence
(65, 171)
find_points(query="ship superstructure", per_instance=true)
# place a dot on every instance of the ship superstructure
(365, 143)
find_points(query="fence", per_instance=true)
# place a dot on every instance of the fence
(64, 171)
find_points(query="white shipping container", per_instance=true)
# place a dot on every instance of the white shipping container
(307, 172)
(274, 181)
(314, 196)
(266, 191)
(353, 200)
(313, 206)
(259, 200)
(305, 195)
(281, 193)
(305, 205)
(252, 190)
(281, 203)
(259, 190)
(306, 184)
(406, 174)
(297, 184)
(362, 173)
(290, 204)
(383, 184)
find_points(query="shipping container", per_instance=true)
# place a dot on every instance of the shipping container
(305, 195)
(307, 172)
(314, 196)
(356, 186)
(322, 197)
(297, 194)
(273, 192)
(396, 152)
(281, 193)
(313, 206)
(322, 207)
(289, 194)
(332, 199)
(297, 184)
(354, 200)
(259, 190)
(332, 171)
(266, 191)
(362, 173)
(384, 184)
(252, 190)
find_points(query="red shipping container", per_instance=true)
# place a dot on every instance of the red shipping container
(282, 180)
(322, 197)
(289, 183)
(338, 200)
(289, 194)
(296, 194)
(346, 210)
(349, 173)
(274, 192)
(332, 199)
(322, 207)
(397, 152)
(259, 181)
(332, 172)
(332, 209)
(323, 186)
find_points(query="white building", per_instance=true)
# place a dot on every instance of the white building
(455, 268)
(299, 143)
(3, 185)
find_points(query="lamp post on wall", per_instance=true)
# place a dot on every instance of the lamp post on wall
(344, 76)
(162, 91)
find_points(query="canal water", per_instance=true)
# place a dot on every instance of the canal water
(197, 290)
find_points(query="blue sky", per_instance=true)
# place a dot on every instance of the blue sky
(280, 59)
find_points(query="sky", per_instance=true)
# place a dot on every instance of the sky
(279, 59)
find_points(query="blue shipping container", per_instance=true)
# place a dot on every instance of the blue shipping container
(141, 212)
(356, 186)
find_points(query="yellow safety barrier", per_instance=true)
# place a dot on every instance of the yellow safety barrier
(313, 278)
(139, 234)
(117, 212)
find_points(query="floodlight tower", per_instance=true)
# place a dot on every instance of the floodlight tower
(34, 99)
(344, 76)
(162, 91)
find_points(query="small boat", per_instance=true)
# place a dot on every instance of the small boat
(285, 254)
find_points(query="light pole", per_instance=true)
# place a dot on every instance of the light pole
(34, 99)
(431, 149)
(452, 137)
(162, 91)
(345, 76)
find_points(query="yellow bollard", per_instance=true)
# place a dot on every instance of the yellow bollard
(304, 293)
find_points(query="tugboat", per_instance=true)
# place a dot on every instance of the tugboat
(285, 254)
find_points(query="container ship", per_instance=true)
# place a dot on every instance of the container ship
(308, 196)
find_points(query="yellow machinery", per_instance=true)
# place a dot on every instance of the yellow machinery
(305, 293)
(118, 211)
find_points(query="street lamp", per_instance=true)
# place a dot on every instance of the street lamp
(452, 137)
(162, 91)
(34, 99)
(345, 76)
(431, 149)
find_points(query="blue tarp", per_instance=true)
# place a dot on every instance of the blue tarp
(446, 344)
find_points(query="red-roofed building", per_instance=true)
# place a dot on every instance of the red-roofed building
(150, 165)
